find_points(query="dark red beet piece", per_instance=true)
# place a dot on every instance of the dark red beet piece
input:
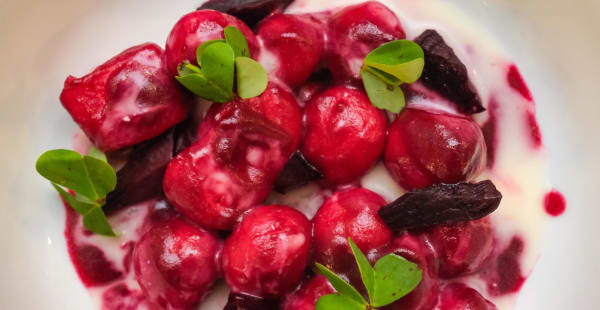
(186, 133)
(249, 11)
(247, 302)
(296, 172)
(441, 204)
(446, 74)
(317, 83)
(141, 177)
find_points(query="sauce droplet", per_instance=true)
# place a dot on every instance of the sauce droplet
(555, 203)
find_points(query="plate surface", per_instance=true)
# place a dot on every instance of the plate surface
(555, 43)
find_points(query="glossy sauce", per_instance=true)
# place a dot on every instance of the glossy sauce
(516, 164)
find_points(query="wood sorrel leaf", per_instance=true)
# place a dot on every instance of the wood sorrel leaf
(237, 40)
(96, 221)
(96, 153)
(217, 65)
(394, 278)
(403, 59)
(341, 285)
(252, 79)
(366, 271)
(67, 168)
(337, 302)
(199, 85)
(383, 95)
(93, 217)
(77, 205)
(388, 78)
(201, 48)
(186, 68)
(101, 174)
(90, 177)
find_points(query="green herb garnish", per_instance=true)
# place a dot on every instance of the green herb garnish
(391, 279)
(252, 79)
(219, 61)
(90, 177)
(235, 38)
(386, 68)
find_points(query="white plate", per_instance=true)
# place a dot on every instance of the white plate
(555, 43)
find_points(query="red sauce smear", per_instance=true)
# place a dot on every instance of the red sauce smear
(89, 261)
(515, 80)
(555, 203)
(119, 297)
(505, 276)
(534, 130)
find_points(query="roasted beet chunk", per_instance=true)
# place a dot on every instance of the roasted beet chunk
(350, 213)
(441, 204)
(462, 248)
(242, 147)
(297, 42)
(247, 302)
(129, 99)
(306, 296)
(267, 252)
(141, 177)
(196, 28)
(296, 172)
(427, 147)
(344, 134)
(249, 11)
(446, 74)
(354, 32)
(176, 263)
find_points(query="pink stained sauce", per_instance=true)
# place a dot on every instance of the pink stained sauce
(555, 203)
(95, 268)
(515, 80)
(489, 129)
(120, 297)
(502, 273)
(509, 276)
(89, 261)
(534, 129)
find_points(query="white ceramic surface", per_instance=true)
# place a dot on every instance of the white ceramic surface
(555, 43)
